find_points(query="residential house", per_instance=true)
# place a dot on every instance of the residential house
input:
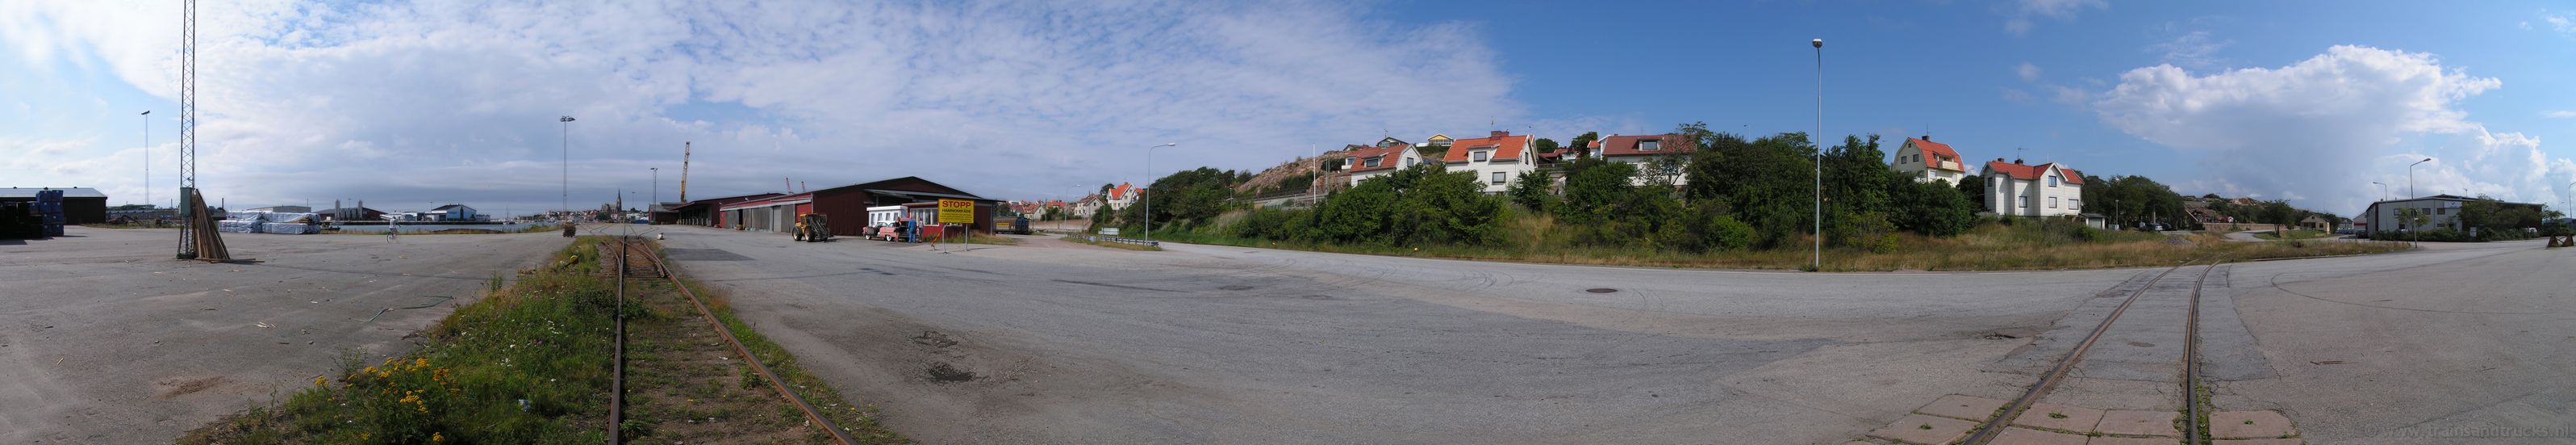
(1366, 163)
(1085, 206)
(1925, 161)
(2317, 222)
(2044, 190)
(1123, 195)
(1496, 160)
(1644, 151)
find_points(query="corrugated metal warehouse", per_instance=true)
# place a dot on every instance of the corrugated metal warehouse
(846, 206)
(80, 205)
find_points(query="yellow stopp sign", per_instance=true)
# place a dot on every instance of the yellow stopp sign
(956, 211)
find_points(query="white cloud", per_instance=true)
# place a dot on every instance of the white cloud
(2019, 14)
(438, 101)
(2196, 50)
(2562, 114)
(2558, 22)
(2027, 71)
(2322, 129)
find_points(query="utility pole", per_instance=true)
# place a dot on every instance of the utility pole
(147, 159)
(684, 172)
(567, 163)
(1818, 261)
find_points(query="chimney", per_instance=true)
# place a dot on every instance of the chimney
(2016, 161)
(1501, 133)
(1927, 138)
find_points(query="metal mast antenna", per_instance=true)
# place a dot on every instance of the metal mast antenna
(188, 131)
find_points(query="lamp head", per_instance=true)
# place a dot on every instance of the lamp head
(1819, 43)
(565, 119)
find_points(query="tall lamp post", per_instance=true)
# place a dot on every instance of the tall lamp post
(147, 159)
(567, 164)
(2383, 190)
(1149, 182)
(2410, 178)
(657, 187)
(1817, 261)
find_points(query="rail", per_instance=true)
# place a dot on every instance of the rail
(652, 266)
(2192, 427)
(1113, 239)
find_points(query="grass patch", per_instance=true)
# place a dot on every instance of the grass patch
(1136, 247)
(2292, 234)
(529, 363)
(2024, 246)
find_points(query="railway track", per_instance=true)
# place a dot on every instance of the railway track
(2193, 402)
(636, 259)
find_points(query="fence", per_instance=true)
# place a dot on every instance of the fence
(1113, 239)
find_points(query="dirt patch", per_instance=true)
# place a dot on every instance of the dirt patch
(465, 231)
(944, 373)
(934, 339)
(180, 386)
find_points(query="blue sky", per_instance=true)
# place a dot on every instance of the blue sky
(409, 104)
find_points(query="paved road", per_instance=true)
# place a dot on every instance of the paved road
(2455, 344)
(1215, 344)
(106, 339)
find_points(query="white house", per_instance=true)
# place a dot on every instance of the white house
(1372, 162)
(1925, 160)
(1123, 195)
(1643, 151)
(1496, 160)
(2013, 189)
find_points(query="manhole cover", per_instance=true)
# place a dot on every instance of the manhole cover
(1601, 290)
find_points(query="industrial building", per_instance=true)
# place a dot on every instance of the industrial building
(845, 205)
(2441, 212)
(80, 205)
(702, 212)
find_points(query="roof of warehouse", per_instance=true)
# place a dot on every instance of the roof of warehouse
(68, 192)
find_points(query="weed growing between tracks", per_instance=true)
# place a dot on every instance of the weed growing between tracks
(527, 364)
(1127, 246)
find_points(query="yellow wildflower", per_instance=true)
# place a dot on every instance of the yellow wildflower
(435, 437)
(319, 381)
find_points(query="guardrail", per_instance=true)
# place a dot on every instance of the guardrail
(1113, 239)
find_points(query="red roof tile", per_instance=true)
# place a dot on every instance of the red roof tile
(1627, 145)
(1505, 146)
(1937, 149)
(1393, 158)
(2032, 172)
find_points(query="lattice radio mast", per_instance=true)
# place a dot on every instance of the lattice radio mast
(197, 237)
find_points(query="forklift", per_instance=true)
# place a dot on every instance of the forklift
(813, 228)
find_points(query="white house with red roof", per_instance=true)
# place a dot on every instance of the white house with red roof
(1925, 160)
(1372, 162)
(2049, 189)
(1643, 150)
(1496, 160)
(1123, 195)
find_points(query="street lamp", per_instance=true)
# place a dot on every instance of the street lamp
(147, 159)
(657, 187)
(1149, 183)
(2383, 190)
(2410, 178)
(1818, 260)
(567, 163)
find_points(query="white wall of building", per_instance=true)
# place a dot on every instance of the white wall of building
(2050, 195)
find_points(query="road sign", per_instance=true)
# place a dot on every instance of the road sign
(956, 211)
(1111, 231)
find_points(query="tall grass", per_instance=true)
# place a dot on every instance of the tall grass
(527, 364)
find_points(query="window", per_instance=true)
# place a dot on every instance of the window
(2025, 201)
(1650, 145)
(1372, 162)
(2052, 202)
(2074, 204)
(2052, 181)
(1498, 177)
(1478, 155)
(2442, 211)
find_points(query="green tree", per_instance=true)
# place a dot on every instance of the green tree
(1593, 188)
(2280, 214)
(1931, 208)
(1535, 192)
(1543, 145)
(1974, 189)
(1584, 141)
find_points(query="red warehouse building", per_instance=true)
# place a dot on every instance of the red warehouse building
(847, 206)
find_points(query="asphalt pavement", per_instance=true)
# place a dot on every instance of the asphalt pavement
(1202, 344)
(104, 338)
